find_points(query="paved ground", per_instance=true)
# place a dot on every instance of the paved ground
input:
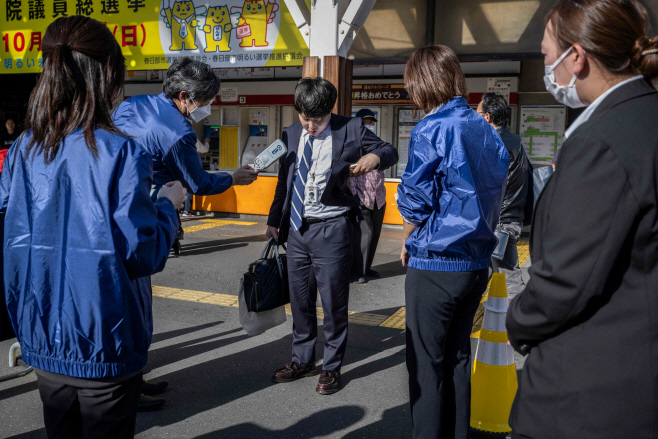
(219, 377)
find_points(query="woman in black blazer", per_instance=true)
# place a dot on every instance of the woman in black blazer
(589, 314)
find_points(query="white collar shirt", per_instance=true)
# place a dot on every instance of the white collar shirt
(318, 174)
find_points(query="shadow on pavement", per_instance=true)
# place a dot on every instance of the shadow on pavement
(206, 247)
(171, 354)
(35, 434)
(210, 247)
(206, 386)
(18, 390)
(395, 423)
(390, 269)
(313, 426)
(360, 337)
(162, 336)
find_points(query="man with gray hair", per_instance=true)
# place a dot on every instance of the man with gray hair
(159, 125)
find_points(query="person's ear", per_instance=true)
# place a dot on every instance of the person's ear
(487, 117)
(579, 58)
(183, 96)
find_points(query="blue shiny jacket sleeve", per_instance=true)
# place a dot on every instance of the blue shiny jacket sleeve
(184, 164)
(5, 179)
(142, 242)
(418, 192)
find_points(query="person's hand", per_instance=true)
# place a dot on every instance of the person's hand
(176, 193)
(272, 232)
(244, 176)
(207, 140)
(367, 163)
(404, 256)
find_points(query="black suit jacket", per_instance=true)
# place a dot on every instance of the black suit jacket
(590, 310)
(350, 141)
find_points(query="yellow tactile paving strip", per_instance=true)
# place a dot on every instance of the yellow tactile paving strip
(360, 318)
(211, 223)
(396, 321)
(523, 248)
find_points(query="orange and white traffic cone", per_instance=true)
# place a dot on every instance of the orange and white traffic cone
(493, 380)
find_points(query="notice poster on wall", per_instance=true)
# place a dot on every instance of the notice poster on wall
(542, 131)
(500, 85)
(406, 123)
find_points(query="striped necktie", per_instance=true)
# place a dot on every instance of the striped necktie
(299, 185)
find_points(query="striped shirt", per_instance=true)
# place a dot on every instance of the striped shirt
(370, 189)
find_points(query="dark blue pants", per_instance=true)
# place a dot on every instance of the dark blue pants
(440, 310)
(320, 254)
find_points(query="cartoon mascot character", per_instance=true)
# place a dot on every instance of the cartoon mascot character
(256, 15)
(218, 26)
(182, 20)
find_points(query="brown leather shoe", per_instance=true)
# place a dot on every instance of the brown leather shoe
(328, 383)
(293, 371)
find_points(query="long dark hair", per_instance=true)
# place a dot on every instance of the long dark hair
(83, 73)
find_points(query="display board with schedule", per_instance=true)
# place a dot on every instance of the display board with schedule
(542, 131)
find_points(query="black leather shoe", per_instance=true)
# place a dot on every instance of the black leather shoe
(293, 371)
(147, 403)
(372, 273)
(151, 387)
(328, 383)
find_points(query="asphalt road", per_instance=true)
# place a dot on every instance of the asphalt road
(219, 378)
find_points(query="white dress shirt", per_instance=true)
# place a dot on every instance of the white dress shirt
(318, 174)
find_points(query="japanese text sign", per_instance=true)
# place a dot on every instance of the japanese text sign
(152, 33)
(380, 92)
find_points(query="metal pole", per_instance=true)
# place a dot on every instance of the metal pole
(430, 22)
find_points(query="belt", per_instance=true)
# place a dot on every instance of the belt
(321, 220)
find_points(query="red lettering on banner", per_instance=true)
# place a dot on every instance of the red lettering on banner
(35, 40)
(128, 36)
(22, 41)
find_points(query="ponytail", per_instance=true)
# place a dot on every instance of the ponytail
(645, 57)
(83, 71)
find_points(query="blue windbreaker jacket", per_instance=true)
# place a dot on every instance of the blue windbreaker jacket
(159, 128)
(453, 186)
(81, 237)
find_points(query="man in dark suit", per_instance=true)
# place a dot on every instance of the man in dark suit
(313, 210)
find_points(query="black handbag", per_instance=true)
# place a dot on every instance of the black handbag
(266, 281)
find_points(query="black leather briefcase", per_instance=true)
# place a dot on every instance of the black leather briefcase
(266, 280)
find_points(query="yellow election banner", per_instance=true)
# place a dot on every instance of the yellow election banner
(152, 33)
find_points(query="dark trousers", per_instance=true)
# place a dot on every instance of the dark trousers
(75, 408)
(366, 237)
(321, 251)
(440, 307)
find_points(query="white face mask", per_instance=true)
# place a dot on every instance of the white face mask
(199, 113)
(371, 128)
(564, 94)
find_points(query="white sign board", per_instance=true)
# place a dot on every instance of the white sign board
(542, 131)
(406, 123)
(229, 94)
(500, 85)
